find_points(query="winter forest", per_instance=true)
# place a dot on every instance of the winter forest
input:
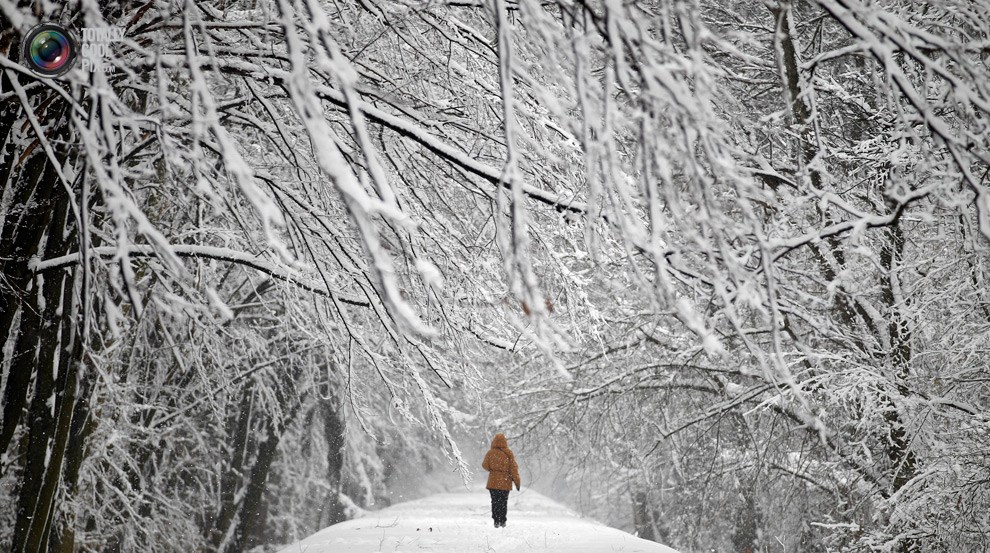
(724, 263)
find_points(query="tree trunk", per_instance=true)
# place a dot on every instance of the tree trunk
(903, 461)
(50, 414)
(645, 518)
(240, 430)
(253, 509)
(333, 431)
(23, 233)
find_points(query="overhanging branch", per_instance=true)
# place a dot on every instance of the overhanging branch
(281, 272)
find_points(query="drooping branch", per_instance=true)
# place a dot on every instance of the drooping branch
(284, 273)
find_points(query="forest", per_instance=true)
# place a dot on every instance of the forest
(726, 262)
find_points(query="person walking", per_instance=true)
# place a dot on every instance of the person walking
(502, 473)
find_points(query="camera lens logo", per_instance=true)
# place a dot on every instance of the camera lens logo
(49, 50)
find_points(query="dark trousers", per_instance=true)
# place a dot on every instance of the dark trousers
(500, 504)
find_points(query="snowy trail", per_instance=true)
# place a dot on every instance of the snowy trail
(461, 523)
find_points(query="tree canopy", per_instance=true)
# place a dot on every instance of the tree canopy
(733, 253)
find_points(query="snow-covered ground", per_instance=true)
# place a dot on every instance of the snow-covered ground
(461, 523)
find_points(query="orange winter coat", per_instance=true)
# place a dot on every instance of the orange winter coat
(501, 465)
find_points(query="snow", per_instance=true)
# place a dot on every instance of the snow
(460, 522)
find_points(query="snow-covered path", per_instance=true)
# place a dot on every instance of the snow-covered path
(461, 523)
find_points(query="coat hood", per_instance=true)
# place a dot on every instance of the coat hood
(500, 442)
